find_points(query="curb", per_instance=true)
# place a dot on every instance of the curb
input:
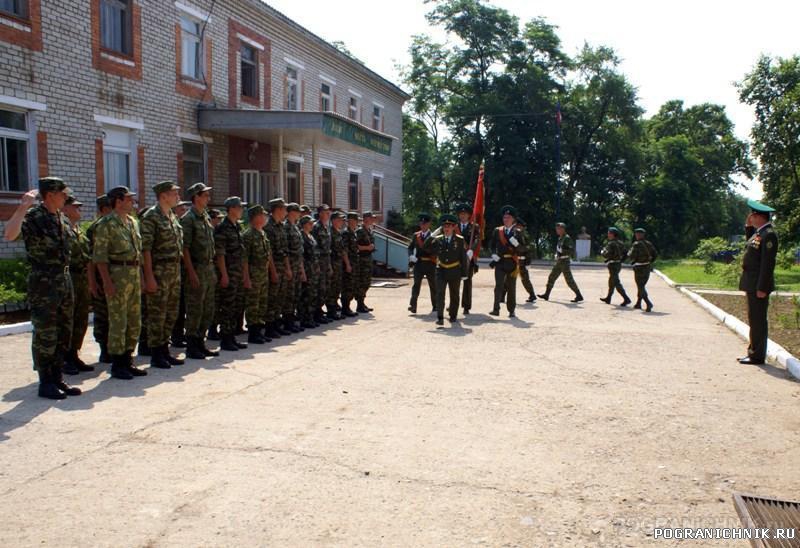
(775, 352)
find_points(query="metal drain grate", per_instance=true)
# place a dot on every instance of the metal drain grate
(764, 512)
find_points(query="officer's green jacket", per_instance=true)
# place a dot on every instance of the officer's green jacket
(639, 253)
(79, 250)
(162, 235)
(418, 244)
(198, 236)
(758, 262)
(565, 247)
(500, 242)
(47, 238)
(451, 253)
(614, 251)
(466, 231)
(117, 240)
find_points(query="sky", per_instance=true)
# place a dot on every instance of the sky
(680, 49)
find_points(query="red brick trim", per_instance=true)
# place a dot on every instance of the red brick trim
(263, 58)
(7, 210)
(99, 168)
(183, 84)
(108, 65)
(140, 175)
(41, 153)
(31, 39)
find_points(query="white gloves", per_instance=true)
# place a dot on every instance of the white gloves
(496, 258)
(412, 259)
(464, 279)
(522, 258)
(513, 241)
(470, 253)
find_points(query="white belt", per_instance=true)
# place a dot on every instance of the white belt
(640, 264)
(613, 262)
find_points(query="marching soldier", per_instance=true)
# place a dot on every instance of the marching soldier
(322, 235)
(162, 249)
(99, 305)
(758, 278)
(258, 267)
(278, 287)
(424, 262)
(505, 242)
(309, 297)
(526, 252)
(452, 263)
(45, 232)
(201, 279)
(294, 241)
(642, 255)
(366, 245)
(229, 251)
(78, 269)
(614, 253)
(471, 233)
(350, 275)
(564, 251)
(117, 252)
(339, 263)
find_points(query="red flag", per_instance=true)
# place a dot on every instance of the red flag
(478, 210)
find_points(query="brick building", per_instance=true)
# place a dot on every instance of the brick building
(109, 92)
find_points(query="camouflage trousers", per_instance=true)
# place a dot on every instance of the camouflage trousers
(51, 300)
(200, 301)
(364, 278)
(310, 292)
(124, 309)
(277, 293)
(294, 288)
(324, 280)
(335, 287)
(562, 266)
(256, 298)
(230, 300)
(80, 314)
(100, 309)
(180, 321)
(162, 306)
(614, 282)
(349, 280)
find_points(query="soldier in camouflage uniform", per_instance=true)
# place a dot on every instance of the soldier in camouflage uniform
(614, 253)
(350, 275)
(229, 253)
(201, 279)
(117, 253)
(99, 305)
(310, 295)
(257, 266)
(78, 262)
(178, 337)
(45, 232)
(322, 235)
(339, 262)
(279, 286)
(216, 217)
(564, 251)
(162, 249)
(366, 246)
(294, 242)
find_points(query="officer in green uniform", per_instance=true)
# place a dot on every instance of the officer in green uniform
(471, 233)
(198, 262)
(117, 253)
(257, 266)
(339, 262)
(758, 278)
(350, 274)
(505, 243)
(366, 246)
(78, 269)
(565, 248)
(309, 296)
(525, 257)
(423, 261)
(294, 243)
(162, 250)
(642, 254)
(279, 286)
(99, 305)
(614, 253)
(45, 231)
(450, 250)
(229, 252)
(322, 235)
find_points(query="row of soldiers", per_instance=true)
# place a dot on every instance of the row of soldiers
(279, 271)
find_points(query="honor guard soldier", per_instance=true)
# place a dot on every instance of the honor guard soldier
(350, 275)
(229, 252)
(258, 268)
(758, 278)
(565, 248)
(642, 254)
(524, 260)
(424, 262)
(452, 263)
(278, 287)
(614, 253)
(471, 233)
(322, 234)
(339, 262)
(45, 231)
(78, 269)
(366, 246)
(117, 254)
(162, 250)
(504, 244)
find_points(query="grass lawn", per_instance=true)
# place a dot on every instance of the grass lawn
(690, 272)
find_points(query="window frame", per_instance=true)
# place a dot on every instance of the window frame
(377, 183)
(126, 29)
(352, 108)
(24, 10)
(292, 83)
(29, 137)
(197, 40)
(325, 97)
(377, 117)
(322, 184)
(254, 64)
(130, 151)
(21, 135)
(298, 176)
(203, 161)
(353, 191)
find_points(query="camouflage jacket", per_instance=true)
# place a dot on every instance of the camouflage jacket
(322, 235)
(228, 242)
(198, 236)
(277, 240)
(47, 238)
(337, 245)
(162, 235)
(565, 248)
(311, 254)
(640, 253)
(350, 243)
(294, 240)
(79, 256)
(117, 239)
(614, 251)
(256, 250)
(364, 237)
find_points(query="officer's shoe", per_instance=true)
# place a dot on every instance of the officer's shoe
(545, 296)
(78, 362)
(207, 351)
(48, 389)
(69, 367)
(158, 359)
(606, 300)
(229, 343)
(412, 309)
(105, 357)
(626, 302)
(578, 298)
(58, 380)
(173, 360)
(193, 350)
(119, 367)
(649, 307)
(531, 298)
(440, 321)
(495, 312)
(638, 305)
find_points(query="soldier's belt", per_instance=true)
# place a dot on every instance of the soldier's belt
(641, 264)
(166, 260)
(115, 262)
(52, 269)
(428, 259)
(508, 256)
(562, 257)
(449, 265)
(613, 262)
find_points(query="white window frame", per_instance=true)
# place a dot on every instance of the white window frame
(194, 12)
(130, 150)
(292, 83)
(194, 39)
(353, 105)
(377, 177)
(377, 118)
(28, 136)
(326, 98)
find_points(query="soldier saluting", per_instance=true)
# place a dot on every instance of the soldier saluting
(424, 261)
(450, 251)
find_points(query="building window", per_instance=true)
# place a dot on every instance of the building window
(293, 182)
(17, 8)
(115, 25)
(377, 114)
(291, 88)
(352, 110)
(13, 151)
(352, 192)
(194, 165)
(117, 158)
(376, 194)
(191, 49)
(327, 186)
(249, 72)
(325, 99)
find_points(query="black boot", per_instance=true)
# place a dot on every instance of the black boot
(649, 305)
(58, 380)
(254, 334)
(319, 317)
(333, 314)
(78, 362)
(213, 333)
(308, 324)
(229, 343)
(362, 308)
(625, 300)
(158, 359)
(68, 366)
(606, 300)
(578, 298)
(47, 388)
(369, 308)
(271, 332)
(348, 313)
(638, 305)
(289, 327)
(241, 345)
(105, 357)
(144, 348)
(135, 371)
(193, 350)
(178, 340)
(281, 329)
(208, 352)
(545, 295)
(119, 367)
(531, 298)
(173, 360)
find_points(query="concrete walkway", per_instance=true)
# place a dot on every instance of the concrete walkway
(572, 425)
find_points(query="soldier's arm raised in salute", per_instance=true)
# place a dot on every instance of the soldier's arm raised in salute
(14, 225)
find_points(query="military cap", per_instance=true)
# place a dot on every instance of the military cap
(305, 219)
(338, 215)
(305, 210)
(293, 206)
(758, 207)
(352, 215)
(425, 217)
(102, 201)
(369, 215)
(615, 230)
(447, 218)
(276, 203)
(119, 192)
(71, 199)
(165, 186)
(184, 203)
(234, 201)
(51, 184)
(323, 207)
(643, 231)
(562, 225)
(463, 208)
(255, 210)
(196, 189)
(214, 213)
(509, 210)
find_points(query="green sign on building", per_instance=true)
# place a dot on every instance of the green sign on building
(346, 131)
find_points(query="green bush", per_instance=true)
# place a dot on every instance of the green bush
(707, 249)
(14, 274)
(785, 258)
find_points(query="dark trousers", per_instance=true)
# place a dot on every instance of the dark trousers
(757, 318)
(641, 274)
(614, 281)
(466, 292)
(448, 279)
(427, 270)
(525, 277)
(505, 283)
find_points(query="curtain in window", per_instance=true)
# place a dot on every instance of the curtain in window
(112, 25)
(116, 167)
